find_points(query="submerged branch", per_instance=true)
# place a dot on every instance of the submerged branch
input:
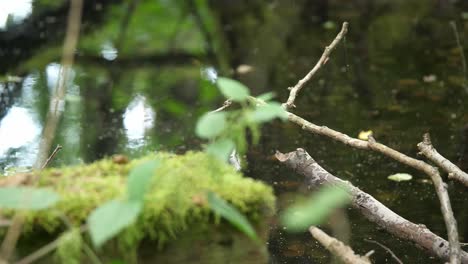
(371, 144)
(369, 207)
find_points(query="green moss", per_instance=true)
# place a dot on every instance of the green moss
(175, 200)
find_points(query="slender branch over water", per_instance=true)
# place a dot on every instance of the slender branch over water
(323, 59)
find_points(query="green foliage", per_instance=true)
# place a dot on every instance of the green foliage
(221, 149)
(268, 112)
(227, 130)
(110, 218)
(27, 198)
(232, 89)
(70, 247)
(211, 125)
(221, 207)
(299, 217)
(139, 179)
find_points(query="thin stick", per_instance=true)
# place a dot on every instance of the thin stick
(337, 248)
(431, 153)
(43, 251)
(462, 53)
(371, 144)
(71, 38)
(386, 248)
(225, 105)
(323, 59)
(56, 150)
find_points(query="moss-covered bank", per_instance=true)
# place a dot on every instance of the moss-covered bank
(175, 205)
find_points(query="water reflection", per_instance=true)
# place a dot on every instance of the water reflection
(137, 119)
(109, 52)
(14, 11)
(20, 128)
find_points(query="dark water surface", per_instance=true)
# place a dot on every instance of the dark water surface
(143, 76)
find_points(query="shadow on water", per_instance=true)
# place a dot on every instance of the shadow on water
(143, 76)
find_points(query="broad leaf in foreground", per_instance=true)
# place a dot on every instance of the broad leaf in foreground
(139, 179)
(231, 214)
(315, 210)
(232, 89)
(27, 198)
(210, 125)
(110, 218)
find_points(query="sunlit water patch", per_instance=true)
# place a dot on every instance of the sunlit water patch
(138, 118)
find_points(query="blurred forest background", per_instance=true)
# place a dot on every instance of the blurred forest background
(144, 72)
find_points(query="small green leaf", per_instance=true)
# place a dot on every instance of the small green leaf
(231, 214)
(139, 179)
(109, 219)
(313, 211)
(221, 149)
(329, 25)
(232, 89)
(210, 125)
(69, 249)
(27, 198)
(398, 177)
(266, 96)
(265, 113)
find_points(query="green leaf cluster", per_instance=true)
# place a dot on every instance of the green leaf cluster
(315, 209)
(227, 130)
(109, 219)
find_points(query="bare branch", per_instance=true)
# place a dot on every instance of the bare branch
(55, 108)
(56, 150)
(386, 249)
(431, 153)
(433, 172)
(337, 248)
(225, 105)
(323, 59)
(369, 207)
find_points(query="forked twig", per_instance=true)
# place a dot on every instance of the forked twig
(428, 150)
(323, 59)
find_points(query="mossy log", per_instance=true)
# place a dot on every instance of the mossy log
(176, 224)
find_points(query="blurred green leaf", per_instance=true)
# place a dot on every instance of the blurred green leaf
(231, 214)
(139, 179)
(265, 113)
(109, 219)
(232, 89)
(329, 25)
(27, 198)
(221, 149)
(299, 217)
(69, 249)
(266, 96)
(398, 177)
(210, 125)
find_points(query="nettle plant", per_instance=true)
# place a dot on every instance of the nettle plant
(226, 130)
